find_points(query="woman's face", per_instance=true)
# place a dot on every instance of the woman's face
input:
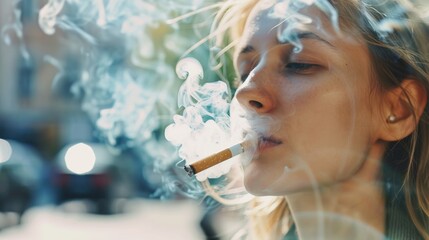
(318, 102)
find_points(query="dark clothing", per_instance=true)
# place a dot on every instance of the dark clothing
(291, 234)
(398, 224)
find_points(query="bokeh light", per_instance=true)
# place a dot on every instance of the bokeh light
(5, 150)
(80, 158)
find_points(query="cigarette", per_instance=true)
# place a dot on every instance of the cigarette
(214, 159)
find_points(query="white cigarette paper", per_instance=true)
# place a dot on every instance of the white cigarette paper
(215, 159)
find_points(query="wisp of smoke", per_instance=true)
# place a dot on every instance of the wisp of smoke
(126, 80)
(203, 128)
(120, 56)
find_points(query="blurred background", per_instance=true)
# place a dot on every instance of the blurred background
(86, 90)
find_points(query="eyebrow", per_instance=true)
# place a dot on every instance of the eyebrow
(300, 35)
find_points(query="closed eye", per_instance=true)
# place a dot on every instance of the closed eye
(301, 68)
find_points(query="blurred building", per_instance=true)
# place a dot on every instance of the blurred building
(37, 74)
(36, 106)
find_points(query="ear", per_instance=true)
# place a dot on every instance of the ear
(402, 110)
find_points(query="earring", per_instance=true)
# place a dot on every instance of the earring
(391, 118)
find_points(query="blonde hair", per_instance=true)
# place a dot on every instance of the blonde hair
(407, 45)
(402, 53)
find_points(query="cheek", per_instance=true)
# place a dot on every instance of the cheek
(330, 129)
(326, 132)
(330, 126)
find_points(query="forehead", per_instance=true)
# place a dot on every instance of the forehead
(281, 21)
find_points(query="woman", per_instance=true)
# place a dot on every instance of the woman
(337, 93)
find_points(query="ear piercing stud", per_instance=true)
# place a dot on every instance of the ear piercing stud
(391, 118)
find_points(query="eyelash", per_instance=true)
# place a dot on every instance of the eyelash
(299, 68)
(291, 68)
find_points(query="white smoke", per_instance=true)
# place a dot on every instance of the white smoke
(204, 126)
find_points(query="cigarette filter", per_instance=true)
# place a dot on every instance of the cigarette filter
(214, 159)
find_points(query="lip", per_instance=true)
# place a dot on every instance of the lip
(267, 143)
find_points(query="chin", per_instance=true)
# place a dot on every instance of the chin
(257, 183)
(272, 182)
(254, 190)
(262, 191)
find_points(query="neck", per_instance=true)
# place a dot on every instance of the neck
(351, 209)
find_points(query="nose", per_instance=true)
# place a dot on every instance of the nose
(255, 93)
